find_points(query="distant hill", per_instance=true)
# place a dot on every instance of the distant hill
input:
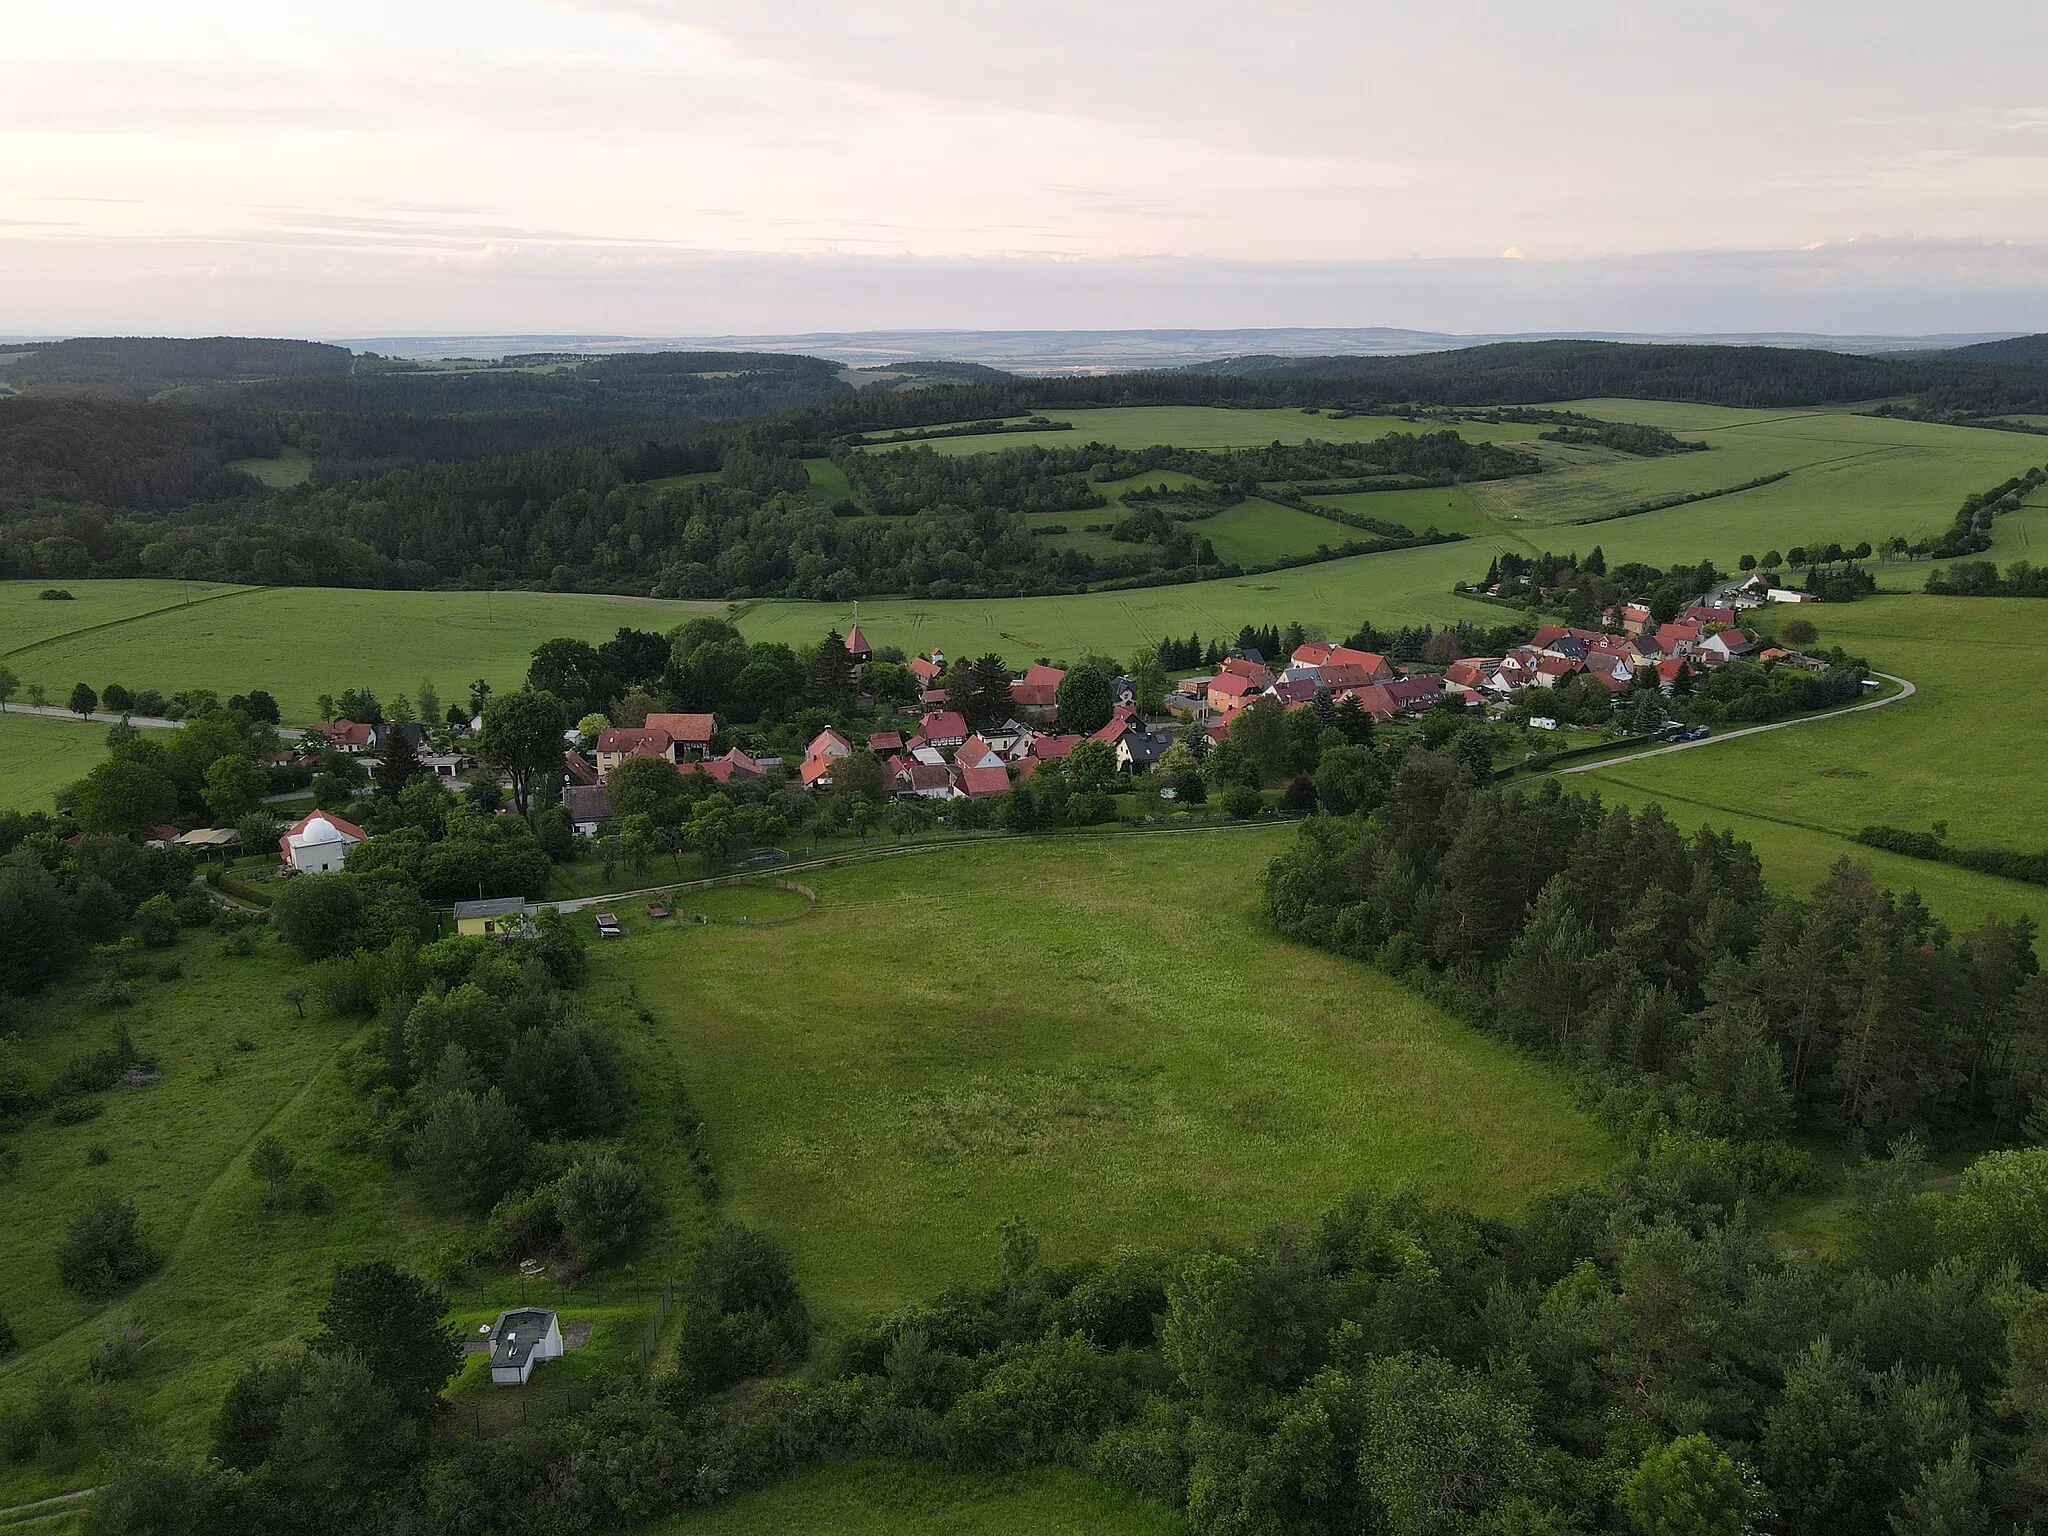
(139, 366)
(2025, 351)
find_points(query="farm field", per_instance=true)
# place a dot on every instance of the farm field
(1851, 478)
(1212, 426)
(238, 1279)
(910, 1079)
(300, 642)
(879, 1498)
(38, 754)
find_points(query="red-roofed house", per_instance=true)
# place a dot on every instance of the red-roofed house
(1670, 669)
(1257, 673)
(926, 670)
(577, 770)
(1229, 690)
(858, 648)
(690, 733)
(934, 698)
(1038, 688)
(1678, 639)
(1636, 618)
(345, 735)
(1468, 674)
(1292, 695)
(981, 783)
(882, 743)
(816, 772)
(976, 753)
(318, 843)
(829, 743)
(946, 728)
(1356, 668)
(1049, 749)
(1552, 670)
(1701, 614)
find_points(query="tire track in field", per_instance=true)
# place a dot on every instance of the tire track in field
(133, 618)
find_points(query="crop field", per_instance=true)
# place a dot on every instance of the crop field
(238, 1279)
(879, 1498)
(39, 753)
(888, 1079)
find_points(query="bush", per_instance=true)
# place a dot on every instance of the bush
(106, 1250)
(604, 1208)
(744, 1316)
(1299, 798)
(156, 922)
(1241, 802)
(318, 914)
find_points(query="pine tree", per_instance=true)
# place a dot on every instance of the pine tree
(399, 763)
(831, 681)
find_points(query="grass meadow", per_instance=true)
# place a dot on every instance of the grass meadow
(39, 754)
(880, 1498)
(240, 1279)
(1098, 1034)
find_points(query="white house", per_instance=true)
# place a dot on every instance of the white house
(318, 843)
(521, 1340)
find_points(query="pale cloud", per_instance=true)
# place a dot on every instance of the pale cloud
(591, 145)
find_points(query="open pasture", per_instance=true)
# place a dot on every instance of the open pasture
(1215, 426)
(1100, 1035)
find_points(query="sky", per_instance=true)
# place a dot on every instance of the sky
(687, 167)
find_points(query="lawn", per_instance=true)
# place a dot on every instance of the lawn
(1099, 1034)
(28, 621)
(41, 753)
(880, 1498)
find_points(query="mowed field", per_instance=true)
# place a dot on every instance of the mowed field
(38, 754)
(1099, 1035)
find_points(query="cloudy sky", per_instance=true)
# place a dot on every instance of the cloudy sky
(673, 166)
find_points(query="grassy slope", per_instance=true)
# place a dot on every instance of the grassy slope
(872, 1498)
(26, 621)
(39, 753)
(240, 1279)
(1099, 1035)
(1211, 426)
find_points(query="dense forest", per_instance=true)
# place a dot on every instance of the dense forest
(138, 366)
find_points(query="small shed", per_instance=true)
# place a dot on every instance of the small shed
(499, 918)
(521, 1340)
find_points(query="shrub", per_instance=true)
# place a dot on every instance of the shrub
(1241, 802)
(170, 970)
(119, 1350)
(106, 1249)
(8, 1341)
(471, 1150)
(74, 1112)
(156, 922)
(744, 1316)
(318, 914)
(1299, 798)
(604, 1208)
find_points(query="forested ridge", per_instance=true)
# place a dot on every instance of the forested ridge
(414, 484)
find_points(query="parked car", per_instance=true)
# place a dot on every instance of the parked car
(1697, 733)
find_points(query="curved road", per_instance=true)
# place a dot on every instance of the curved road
(1906, 691)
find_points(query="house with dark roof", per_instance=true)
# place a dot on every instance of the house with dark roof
(945, 728)
(519, 1341)
(498, 917)
(587, 807)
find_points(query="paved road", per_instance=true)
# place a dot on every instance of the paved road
(143, 722)
(1906, 691)
(54, 712)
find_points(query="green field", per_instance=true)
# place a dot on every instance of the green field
(875, 1498)
(1849, 478)
(1099, 1034)
(294, 466)
(239, 1279)
(1215, 426)
(1963, 750)
(39, 753)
